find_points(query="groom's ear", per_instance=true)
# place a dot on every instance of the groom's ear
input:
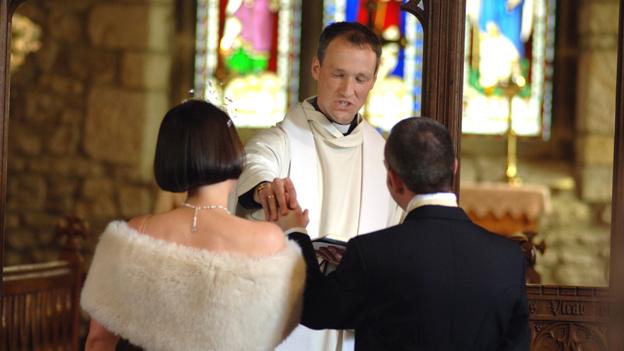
(394, 183)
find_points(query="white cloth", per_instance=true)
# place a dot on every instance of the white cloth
(440, 199)
(339, 179)
(165, 296)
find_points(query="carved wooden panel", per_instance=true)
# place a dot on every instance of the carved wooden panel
(569, 318)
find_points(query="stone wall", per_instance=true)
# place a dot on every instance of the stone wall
(83, 118)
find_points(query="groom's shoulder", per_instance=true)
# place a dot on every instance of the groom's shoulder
(379, 235)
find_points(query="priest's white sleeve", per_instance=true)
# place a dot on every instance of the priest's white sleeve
(267, 158)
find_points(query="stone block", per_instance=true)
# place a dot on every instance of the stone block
(64, 140)
(48, 55)
(595, 92)
(596, 183)
(595, 240)
(25, 140)
(567, 209)
(62, 193)
(35, 12)
(41, 220)
(11, 220)
(134, 200)
(137, 26)
(598, 17)
(114, 126)
(595, 149)
(97, 200)
(26, 192)
(71, 5)
(13, 257)
(47, 238)
(578, 256)
(94, 188)
(147, 71)
(21, 239)
(61, 85)
(71, 116)
(66, 166)
(595, 275)
(99, 65)
(42, 107)
(65, 26)
(16, 164)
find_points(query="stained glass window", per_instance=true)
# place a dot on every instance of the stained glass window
(247, 52)
(508, 66)
(396, 94)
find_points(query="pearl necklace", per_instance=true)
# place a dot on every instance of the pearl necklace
(199, 208)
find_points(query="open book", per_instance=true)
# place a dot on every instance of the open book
(322, 244)
(326, 241)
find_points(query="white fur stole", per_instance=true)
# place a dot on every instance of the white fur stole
(164, 296)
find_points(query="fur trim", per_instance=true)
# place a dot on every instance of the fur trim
(164, 296)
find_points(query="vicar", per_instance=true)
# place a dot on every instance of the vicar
(325, 156)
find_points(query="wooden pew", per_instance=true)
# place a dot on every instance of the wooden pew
(40, 307)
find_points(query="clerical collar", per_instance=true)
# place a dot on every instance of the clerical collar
(345, 129)
(439, 199)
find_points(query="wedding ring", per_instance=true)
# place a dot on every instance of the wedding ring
(260, 187)
(270, 197)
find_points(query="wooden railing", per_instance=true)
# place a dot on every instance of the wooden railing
(40, 307)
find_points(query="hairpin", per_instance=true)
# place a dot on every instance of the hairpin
(213, 95)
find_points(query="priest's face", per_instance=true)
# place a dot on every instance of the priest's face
(344, 79)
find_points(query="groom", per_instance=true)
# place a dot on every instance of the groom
(435, 282)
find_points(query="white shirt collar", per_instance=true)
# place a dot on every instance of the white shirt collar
(439, 199)
(343, 128)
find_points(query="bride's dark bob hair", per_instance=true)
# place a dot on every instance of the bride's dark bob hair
(197, 145)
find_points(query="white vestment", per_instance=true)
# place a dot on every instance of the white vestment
(340, 179)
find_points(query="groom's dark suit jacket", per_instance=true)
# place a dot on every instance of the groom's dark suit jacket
(435, 282)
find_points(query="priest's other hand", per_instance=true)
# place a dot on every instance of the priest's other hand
(296, 218)
(276, 197)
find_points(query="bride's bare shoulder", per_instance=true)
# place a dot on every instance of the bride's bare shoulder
(268, 236)
(138, 222)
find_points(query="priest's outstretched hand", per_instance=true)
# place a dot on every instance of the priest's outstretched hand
(276, 197)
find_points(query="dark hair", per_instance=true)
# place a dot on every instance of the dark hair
(197, 145)
(421, 153)
(355, 33)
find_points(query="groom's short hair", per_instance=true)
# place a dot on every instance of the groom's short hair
(420, 151)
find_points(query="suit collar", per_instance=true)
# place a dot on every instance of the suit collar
(436, 211)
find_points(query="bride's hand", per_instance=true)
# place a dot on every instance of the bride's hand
(295, 218)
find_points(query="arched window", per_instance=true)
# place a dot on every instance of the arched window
(247, 53)
(508, 62)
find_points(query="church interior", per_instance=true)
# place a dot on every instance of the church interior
(90, 81)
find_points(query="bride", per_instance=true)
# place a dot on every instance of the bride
(196, 277)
